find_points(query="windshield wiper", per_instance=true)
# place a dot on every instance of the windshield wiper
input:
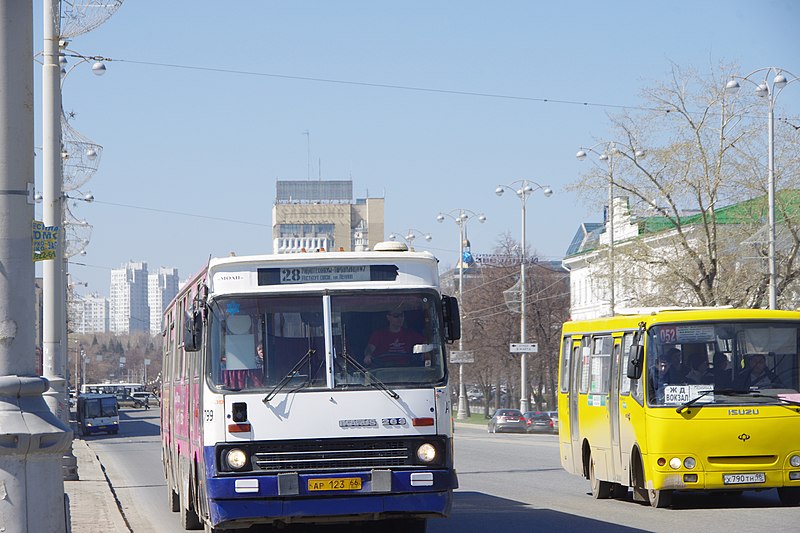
(291, 374)
(374, 381)
(693, 400)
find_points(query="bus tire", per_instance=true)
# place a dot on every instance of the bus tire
(601, 490)
(189, 518)
(789, 496)
(659, 498)
(173, 501)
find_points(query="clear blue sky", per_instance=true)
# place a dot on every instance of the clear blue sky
(213, 142)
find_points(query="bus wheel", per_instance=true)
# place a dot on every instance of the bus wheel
(659, 498)
(173, 502)
(789, 496)
(601, 490)
(189, 519)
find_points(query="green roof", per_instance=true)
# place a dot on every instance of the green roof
(752, 211)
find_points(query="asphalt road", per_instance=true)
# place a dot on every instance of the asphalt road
(508, 482)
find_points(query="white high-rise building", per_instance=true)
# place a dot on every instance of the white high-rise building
(129, 307)
(91, 314)
(162, 286)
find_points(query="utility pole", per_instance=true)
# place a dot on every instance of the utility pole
(32, 440)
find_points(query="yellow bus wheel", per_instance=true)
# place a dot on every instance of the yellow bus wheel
(601, 490)
(659, 498)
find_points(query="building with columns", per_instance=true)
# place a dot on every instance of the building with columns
(322, 214)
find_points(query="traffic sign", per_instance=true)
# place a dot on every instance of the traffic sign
(461, 356)
(530, 347)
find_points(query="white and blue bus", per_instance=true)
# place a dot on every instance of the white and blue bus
(278, 408)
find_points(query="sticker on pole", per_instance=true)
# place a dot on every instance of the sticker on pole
(521, 347)
(461, 356)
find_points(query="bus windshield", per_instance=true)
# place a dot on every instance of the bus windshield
(101, 407)
(722, 362)
(392, 337)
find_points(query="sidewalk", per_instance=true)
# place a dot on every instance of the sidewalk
(92, 505)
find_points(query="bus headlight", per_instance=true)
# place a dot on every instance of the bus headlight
(675, 463)
(236, 458)
(689, 463)
(794, 460)
(426, 453)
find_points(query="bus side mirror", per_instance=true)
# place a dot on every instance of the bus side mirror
(452, 318)
(635, 361)
(192, 331)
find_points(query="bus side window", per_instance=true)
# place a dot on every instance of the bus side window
(624, 380)
(602, 347)
(584, 364)
(566, 351)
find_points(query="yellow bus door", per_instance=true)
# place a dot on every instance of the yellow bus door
(574, 397)
(614, 468)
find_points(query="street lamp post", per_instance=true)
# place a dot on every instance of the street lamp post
(607, 154)
(463, 216)
(770, 91)
(523, 189)
(410, 236)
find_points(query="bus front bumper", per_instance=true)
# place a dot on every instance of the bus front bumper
(286, 498)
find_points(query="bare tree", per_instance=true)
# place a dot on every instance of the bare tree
(492, 326)
(698, 194)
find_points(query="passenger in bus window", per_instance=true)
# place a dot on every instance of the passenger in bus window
(699, 372)
(666, 373)
(722, 371)
(757, 374)
(394, 344)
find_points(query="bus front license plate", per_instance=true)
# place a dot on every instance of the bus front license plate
(335, 483)
(738, 479)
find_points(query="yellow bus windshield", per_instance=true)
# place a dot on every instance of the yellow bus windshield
(722, 362)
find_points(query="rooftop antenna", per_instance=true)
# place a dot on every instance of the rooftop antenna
(319, 168)
(308, 153)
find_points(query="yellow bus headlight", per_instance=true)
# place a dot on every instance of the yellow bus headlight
(794, 460)
(675, 463)
(689, 463)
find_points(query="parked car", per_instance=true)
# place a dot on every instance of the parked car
(126, 400)
(554, 417)
(146, 397)
(538, 423)
(507, 420)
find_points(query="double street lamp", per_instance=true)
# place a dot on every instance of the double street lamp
(410, 236)
(769, 89)
(461, 217)
(523, 189)
(606, 151)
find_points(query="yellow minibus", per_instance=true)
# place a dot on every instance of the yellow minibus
(665, 400)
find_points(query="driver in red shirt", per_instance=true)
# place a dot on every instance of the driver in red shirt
(393, 345)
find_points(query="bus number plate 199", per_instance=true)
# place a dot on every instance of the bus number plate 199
(737, 479)
(335, 483)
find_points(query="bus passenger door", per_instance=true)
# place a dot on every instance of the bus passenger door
(613, 412)
(574, 397)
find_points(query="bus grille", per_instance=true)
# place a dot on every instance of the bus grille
(331, 455)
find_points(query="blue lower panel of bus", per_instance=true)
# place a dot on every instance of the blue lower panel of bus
(255, 510)
(263, 497)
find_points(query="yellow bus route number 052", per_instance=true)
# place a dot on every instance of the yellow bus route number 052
(335, 483)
